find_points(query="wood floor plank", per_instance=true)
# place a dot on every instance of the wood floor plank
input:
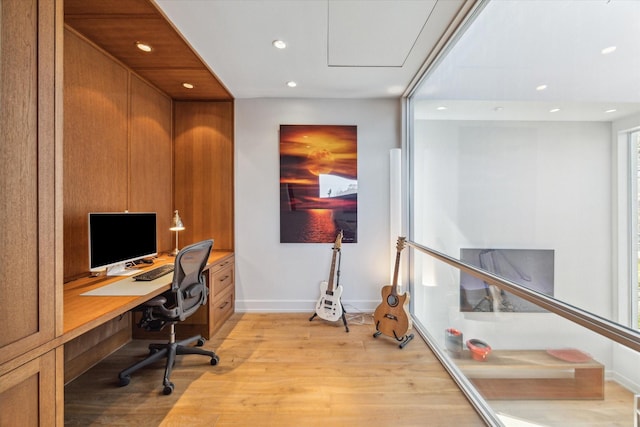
(278, 370)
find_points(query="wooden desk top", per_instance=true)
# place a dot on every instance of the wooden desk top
(83, 313)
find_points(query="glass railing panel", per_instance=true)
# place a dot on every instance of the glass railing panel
(531, 367)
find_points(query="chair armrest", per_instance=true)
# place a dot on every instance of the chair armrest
(156, 302)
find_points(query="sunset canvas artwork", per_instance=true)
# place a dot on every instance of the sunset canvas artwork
(318, 183)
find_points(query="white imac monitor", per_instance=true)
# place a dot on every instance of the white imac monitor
(116, 239)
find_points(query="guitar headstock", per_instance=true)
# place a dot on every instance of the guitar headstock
(338, 241)
(400, 245)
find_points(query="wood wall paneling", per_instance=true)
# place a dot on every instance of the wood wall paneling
(31, 189)
(204, 171)
(19, 165)
(27, 176)
(128, 158)
(95, 143)
(26, 393)
(19, 171)
(151, 148)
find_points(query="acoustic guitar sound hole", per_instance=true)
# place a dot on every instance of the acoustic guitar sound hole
(392, 300)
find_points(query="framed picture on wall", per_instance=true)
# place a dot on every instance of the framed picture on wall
(318, 183)
(531, 268)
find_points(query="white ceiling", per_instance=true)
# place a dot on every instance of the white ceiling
(514, 46)
(335, 48)
(375, 48)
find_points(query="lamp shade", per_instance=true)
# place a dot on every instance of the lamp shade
(176, 222)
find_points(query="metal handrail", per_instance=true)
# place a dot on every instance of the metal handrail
(616, 332)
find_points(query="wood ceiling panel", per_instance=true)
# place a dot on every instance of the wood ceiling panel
(206, 86)
(116, 25)
(119, 35)
(108, 7)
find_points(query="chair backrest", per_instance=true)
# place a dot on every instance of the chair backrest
(189, 284)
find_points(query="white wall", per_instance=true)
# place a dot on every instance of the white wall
(271, 276)
(516, 185)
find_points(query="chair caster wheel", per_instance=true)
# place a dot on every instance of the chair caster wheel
(123, 381)
(214, 360)
(200, 342)
(168, 389)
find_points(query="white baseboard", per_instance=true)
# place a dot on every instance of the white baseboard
(299, 306)
(627, 383)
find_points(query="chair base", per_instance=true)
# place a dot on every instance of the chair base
(169, 351)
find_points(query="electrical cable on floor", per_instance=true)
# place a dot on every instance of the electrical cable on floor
(357, 317)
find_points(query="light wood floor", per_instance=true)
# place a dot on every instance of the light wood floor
(278, 370)
(282, 370)
(616, 410)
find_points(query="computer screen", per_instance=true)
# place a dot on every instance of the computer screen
(118, 238)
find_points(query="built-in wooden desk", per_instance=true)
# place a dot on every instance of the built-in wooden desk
(83, 314)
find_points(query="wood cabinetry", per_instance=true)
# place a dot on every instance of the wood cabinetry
(117, 154)
(222, 294)
(221, 301)
(27, 393)
(30, 229)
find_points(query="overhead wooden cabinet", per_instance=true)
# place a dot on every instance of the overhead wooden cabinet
(30, 258)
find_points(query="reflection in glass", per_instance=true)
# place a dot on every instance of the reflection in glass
(514, 134)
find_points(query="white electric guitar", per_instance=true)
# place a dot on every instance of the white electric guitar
(329, 306)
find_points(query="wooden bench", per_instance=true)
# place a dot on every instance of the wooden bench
(532, 374)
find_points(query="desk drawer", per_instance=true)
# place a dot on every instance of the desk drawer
(221, 280)
(222, 308)
(220, 264)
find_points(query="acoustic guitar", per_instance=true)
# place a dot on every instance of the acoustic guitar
(329, 306)
(392, 315)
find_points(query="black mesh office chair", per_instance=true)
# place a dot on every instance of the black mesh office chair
(188, 292)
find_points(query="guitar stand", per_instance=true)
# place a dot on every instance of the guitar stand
(344, 318)
(404, 340)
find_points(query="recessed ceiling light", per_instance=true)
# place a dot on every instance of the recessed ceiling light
(292, 84)
(279, 44)
(187, 85)
(498, 109)
(554, 110)
(541, 87)
(613, 110)
(608, 50)
(144, 47)
(441, 108)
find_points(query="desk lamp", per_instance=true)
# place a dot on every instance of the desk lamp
(176, 225)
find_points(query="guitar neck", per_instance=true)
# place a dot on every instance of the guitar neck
(394, 286)
(332, 271)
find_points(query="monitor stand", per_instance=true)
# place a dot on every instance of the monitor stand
(121, 270)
